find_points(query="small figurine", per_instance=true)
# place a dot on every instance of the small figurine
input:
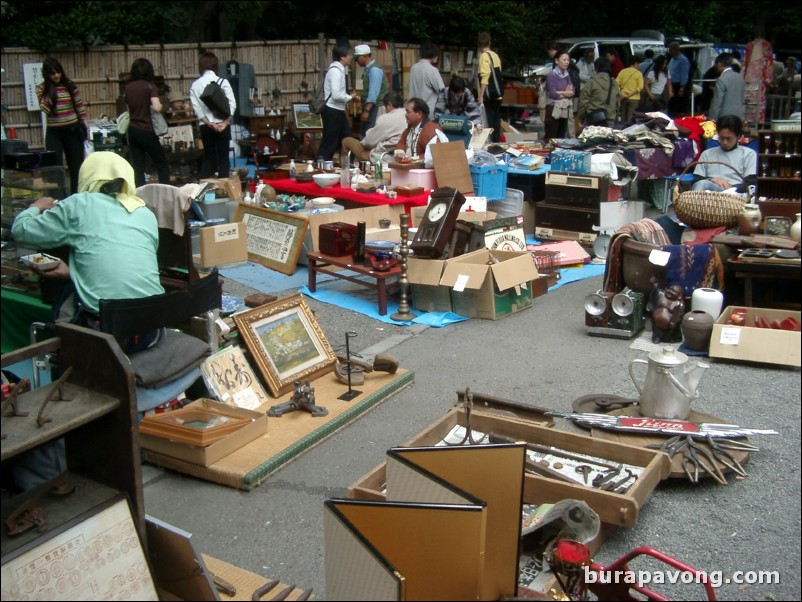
(668, 307)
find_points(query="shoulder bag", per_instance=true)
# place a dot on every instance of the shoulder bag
(599, 116)
(215, 99)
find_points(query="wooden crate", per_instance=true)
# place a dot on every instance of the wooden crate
(616, 509)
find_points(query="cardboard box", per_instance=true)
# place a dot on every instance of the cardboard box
(619, 509)
(369, 214)
(424, 279)
(510, 96)
(484, 289)
(424, 178)
(205, 456)
(232, 185)
(223, 244)
(520, 137)
(749, 343)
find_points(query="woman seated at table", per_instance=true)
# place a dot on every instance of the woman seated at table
(112, 236)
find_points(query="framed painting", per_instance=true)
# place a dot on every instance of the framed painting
(273, 238)
(286, 343)
(305, 119)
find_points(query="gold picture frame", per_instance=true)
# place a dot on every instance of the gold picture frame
(286, 343)
(305, 119)
(274, 239)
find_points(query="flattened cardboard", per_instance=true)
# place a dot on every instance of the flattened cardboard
(749, 343)
(223, 244)
(451, 166)
(205, 456)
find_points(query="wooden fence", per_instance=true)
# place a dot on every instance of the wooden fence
(292, 66)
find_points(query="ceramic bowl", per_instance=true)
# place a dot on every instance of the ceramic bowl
(322, 201)
(326, 180)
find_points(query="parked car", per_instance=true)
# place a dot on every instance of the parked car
(626, 47)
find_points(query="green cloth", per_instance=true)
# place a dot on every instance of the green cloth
(19, 312)
(112, 251)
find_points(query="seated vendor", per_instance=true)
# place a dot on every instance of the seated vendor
(112, 236)
(742, 161)
(384, 135)
(421, 132)
(457, 99)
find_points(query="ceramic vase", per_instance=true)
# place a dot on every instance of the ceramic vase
(749, 220)
(796, 228)
(709, 300)
(697, 326)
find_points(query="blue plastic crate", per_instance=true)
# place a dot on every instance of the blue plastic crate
(490, 181)
(570, 161)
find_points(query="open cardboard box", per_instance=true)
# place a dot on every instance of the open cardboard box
(617, 509)
(750, 343)
(205, 456)
(369, 214)
(424, 279)
(490, 284)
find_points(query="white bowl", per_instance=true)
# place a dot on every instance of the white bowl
(326, 180)
(322, 201)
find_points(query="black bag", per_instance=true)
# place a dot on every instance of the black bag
(318, 99)
(597, 117)
(495, 87)
(216, 100)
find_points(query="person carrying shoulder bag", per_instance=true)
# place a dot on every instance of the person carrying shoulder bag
(599, 96)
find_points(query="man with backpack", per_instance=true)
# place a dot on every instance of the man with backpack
(491, 85)
(335, 92)
(374, 86)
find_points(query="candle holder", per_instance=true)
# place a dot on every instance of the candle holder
(568, 561)
(403, 314)
(351, 393)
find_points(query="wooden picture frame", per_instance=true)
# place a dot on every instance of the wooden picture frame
(199, 427)
(47, 567)
(306, 119)
(274, 239)
(286, 343)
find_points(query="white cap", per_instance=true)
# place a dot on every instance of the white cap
(361, 50)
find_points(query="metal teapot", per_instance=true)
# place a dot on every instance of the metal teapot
(671, 384)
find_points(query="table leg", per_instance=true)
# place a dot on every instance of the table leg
(312, 267)
(748, 301)
(382, 290)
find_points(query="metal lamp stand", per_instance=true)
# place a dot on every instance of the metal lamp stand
(403, 314)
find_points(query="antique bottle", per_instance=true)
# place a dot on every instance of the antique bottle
(795, 228)
(292, 169)
(749, 220)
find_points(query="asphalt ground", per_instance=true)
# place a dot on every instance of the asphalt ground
(540, 356)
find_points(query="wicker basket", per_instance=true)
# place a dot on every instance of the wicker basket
(705, 208)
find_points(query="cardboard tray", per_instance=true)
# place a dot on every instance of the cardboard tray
(616, 509)
(749, 343)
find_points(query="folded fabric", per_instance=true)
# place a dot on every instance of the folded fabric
(694, 266)
(175, 355)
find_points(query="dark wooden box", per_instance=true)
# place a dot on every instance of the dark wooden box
(337, 239)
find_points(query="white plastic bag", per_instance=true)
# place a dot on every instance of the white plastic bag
(89, 148)
(483, 116)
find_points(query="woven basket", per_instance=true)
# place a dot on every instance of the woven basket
(705, 208)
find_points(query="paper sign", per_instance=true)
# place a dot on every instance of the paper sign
(32, 76)
(659, 257)
(226, 232)
(462, 281)
(730, 336)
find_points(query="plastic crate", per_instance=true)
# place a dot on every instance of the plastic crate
(570, 161)
(490, 181)
(511, 205)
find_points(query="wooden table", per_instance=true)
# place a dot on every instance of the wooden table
(765, 271)
(367, 276)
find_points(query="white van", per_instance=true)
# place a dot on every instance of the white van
(626, 47)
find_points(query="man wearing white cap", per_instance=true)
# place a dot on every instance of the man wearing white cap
(374, 86)
(425, 80)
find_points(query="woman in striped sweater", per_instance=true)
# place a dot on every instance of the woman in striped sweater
(61, 102)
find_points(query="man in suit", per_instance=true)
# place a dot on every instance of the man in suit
(728, 95)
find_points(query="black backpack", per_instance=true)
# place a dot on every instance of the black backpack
(495, 85)
(318, 100)
(216, 100)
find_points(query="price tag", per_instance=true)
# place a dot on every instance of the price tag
(659, 257)
(462, 281)
(730, 336)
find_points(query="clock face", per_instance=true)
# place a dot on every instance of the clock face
(437, 212)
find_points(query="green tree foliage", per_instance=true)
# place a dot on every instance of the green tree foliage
(519, 29)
